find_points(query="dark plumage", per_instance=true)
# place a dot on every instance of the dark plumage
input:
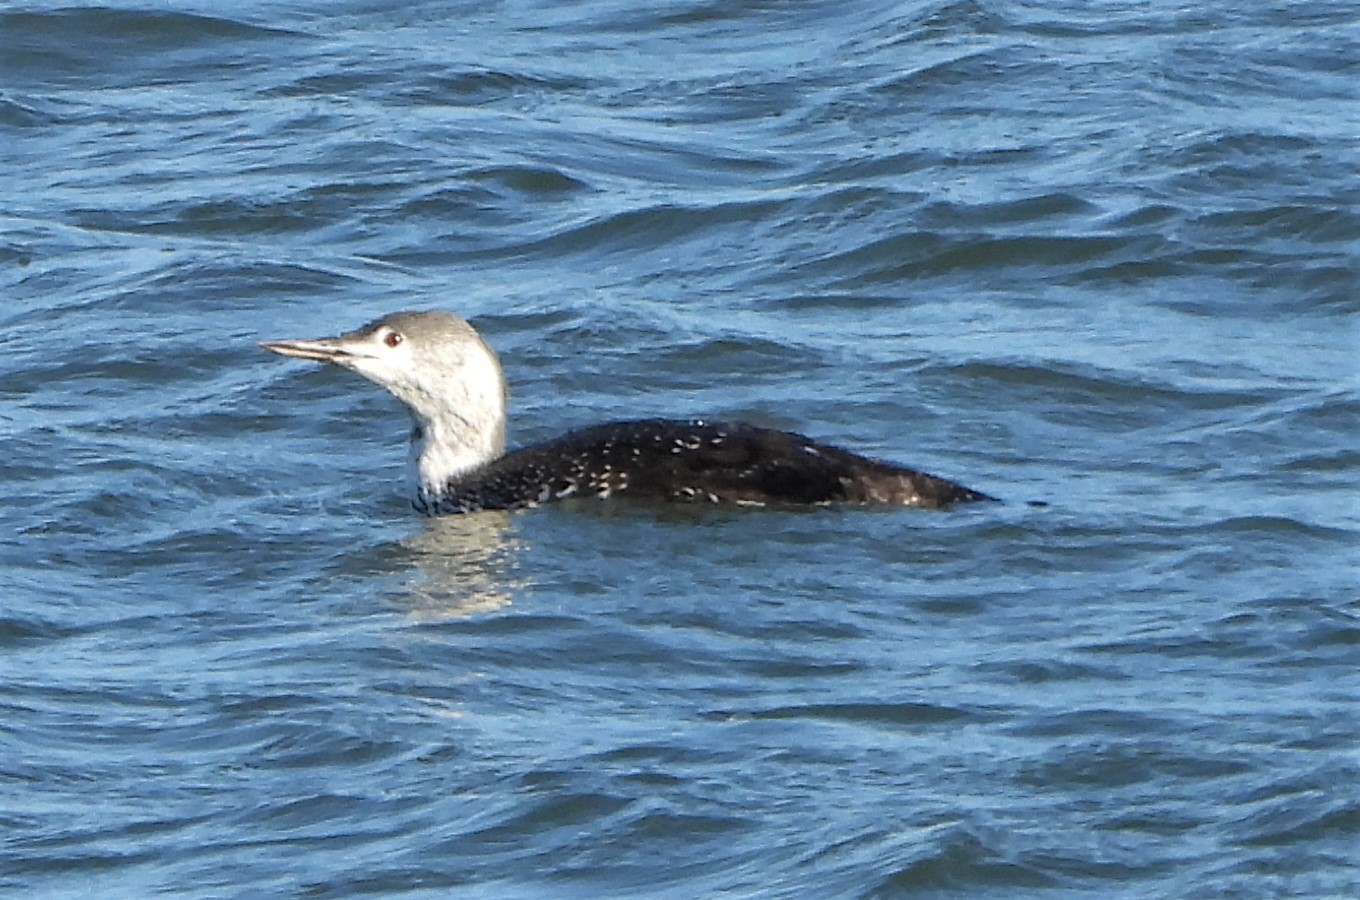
(693, 461)
(451, 382)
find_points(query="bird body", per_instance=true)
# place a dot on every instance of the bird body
(451, 382)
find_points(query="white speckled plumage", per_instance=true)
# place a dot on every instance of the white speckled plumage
(451, 381)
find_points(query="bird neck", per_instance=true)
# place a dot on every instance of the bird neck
(444, 452)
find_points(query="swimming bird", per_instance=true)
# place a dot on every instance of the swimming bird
(451, 381)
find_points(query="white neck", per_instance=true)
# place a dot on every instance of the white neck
(441, 455)
(451, 383)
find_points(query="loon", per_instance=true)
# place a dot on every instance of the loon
(450, 380)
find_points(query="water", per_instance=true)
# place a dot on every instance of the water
(1102, 256)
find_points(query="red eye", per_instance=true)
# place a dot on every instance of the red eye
(392, 339)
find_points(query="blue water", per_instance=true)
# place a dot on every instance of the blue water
(1103, 256)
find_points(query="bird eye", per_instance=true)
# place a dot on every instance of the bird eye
(392, 339)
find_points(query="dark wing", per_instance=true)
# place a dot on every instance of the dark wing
(722, 462)
(693, 460)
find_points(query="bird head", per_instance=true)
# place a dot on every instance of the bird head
(433, 362)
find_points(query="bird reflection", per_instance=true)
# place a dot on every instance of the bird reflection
(464, 566)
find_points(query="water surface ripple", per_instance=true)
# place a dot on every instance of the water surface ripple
(1101, 256)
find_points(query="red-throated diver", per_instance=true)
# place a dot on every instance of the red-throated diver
(450, 380)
